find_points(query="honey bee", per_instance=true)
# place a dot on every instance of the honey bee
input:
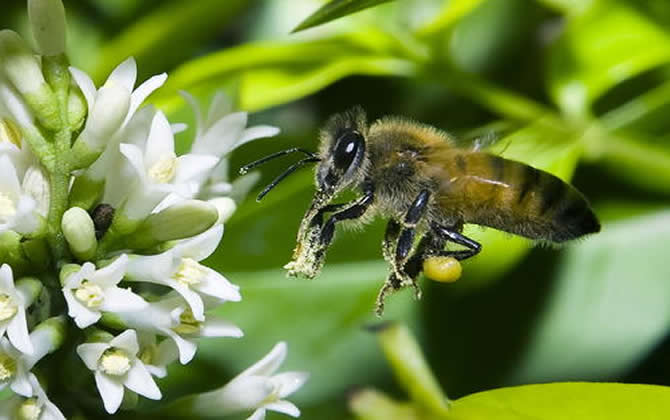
(415, 175)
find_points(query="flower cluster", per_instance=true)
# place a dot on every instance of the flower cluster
(103, 229)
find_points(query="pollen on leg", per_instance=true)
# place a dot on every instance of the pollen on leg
(442, 269)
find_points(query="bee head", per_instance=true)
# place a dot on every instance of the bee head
(342, 151)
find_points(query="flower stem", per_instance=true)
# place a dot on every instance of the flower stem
(57, 75)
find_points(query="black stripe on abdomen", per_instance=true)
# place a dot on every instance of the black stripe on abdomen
(531, 178)
(552, 191)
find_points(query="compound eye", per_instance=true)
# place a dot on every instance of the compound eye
(346, 148)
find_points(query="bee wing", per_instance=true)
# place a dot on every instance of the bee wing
(487, 137)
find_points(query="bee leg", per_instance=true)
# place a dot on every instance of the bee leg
(452, 235)
(390, 240)
(391, 285)
(317, 220)
(307, 257)
(406, 239)
(353, 212)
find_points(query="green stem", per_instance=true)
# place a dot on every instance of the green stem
(58, 76)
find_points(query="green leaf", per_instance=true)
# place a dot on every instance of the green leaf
(166, 36)
(320, 319)
(271, 73)
(335, 10)
(450, 13)
(608, 306)
(599, 49)
(560, 401)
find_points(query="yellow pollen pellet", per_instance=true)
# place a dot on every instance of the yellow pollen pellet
(442, 269)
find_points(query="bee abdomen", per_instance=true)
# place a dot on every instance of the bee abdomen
(517, 198)
(555, 210)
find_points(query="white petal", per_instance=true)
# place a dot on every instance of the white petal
(90, 353)
(143, 91)
(268, 364)
(6, 278)
(157, 371)
(285, 407)
(256, 132)
(222, 136)
(125, 74)
(122, 300)
(151, 268)
(196, 111)
(219, 328)
(82, 316)
(135, 158)
(200, 246)
(221, 105)
(257, 415)
(27, 218)
(168, 201)
(192, 298)
(245, 393)
(9, 182)
(139, 380)
(111, 275)
(214, 284)
(51, 412)
(17, 331)
(192, 167)
(110, 390)
(21, 384)
(289, 382)
(127, 341)
(85, 85)
(167, 353)
(186, 348)
(15, 105)
(178, 127)
(160, 142)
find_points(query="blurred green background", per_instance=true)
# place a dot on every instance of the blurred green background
(579, 88)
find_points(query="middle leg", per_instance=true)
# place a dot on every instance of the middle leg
(398, 242)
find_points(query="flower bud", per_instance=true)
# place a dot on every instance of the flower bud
(23, 69)
(179, 221)
(30, 288)
(66, 271)
(47, 20)
(226, 206)
(79, 233)
(109, 111)
(76, 108)
(36, 185)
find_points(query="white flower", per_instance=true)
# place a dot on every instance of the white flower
(13, 303)
(156, 355)
(89, 292)
(171, 317)
(159, 171)
(13, 369)
(218, 134)
(37, 407)
(116, 366)
(258, 388)
(179, 268)
(112, 106)
(18, 210)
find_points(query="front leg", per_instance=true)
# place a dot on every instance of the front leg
(311, 248)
